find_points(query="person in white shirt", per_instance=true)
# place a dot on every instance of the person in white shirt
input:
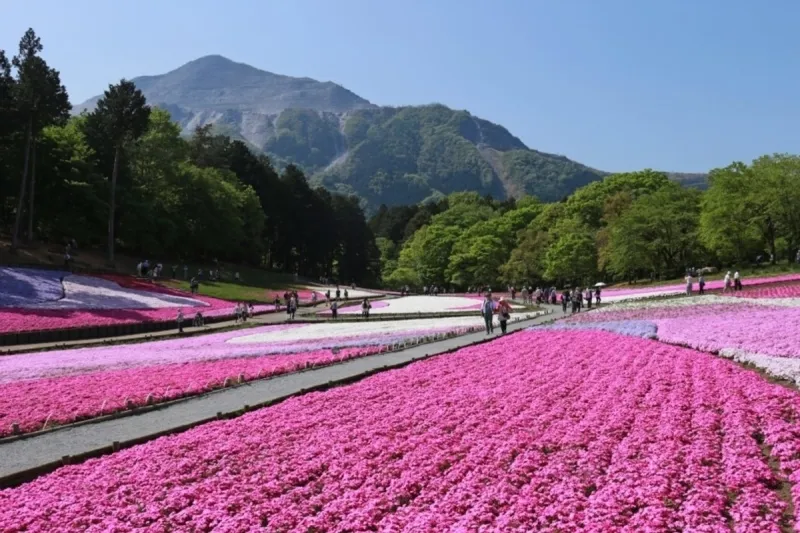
(689, 284)
(727, 284)
(737, 281)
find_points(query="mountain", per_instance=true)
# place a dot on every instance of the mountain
(391, 155)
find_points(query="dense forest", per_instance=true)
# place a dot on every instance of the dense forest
(626, 227)
(123, 176)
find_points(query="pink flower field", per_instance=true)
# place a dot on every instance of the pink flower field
(553, 431)
(613, 294)
(64, 386)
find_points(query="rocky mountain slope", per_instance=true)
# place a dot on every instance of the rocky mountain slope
(383, 154)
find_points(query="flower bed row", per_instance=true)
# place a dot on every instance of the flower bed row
(629, 293)
(539, 431)
(63, 386)
(764, 332)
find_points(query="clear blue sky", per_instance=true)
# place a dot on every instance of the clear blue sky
(681, 85)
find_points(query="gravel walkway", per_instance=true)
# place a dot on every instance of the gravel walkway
(24, 459)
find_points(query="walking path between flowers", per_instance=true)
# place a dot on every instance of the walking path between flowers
(25, 458)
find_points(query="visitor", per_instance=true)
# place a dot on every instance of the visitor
(198, 322)
(252, 310)
(238, 312)
(346, 294)
(688, 279)
(236, 277)
(313, 298)
(328, 297)
(174, 271)
(589, 296)
(335, 309)
(338, 293)
(291, 307)
(513, 293)
(597, 296)
(179, 320)
(737, 281)
(365, 307)
(727, 282)
(277, 303)
(503, 314)
(487, 310)
(701, 283)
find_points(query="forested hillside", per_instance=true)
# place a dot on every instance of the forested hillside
(383, 155)
(626, 227)
(123, 176)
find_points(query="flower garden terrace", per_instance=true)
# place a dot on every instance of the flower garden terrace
(634, 417)
(38, 305)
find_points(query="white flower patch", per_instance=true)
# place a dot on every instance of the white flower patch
(694, 301)
(329, 330)
(351, 293)
(655, 293)
(84, 292)
(425, 304)
(779, 367)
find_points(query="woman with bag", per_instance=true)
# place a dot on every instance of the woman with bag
(503, 314)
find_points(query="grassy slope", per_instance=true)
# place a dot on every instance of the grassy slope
(253, 287)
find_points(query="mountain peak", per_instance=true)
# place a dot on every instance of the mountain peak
(215, 83)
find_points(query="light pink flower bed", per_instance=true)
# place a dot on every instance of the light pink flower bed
(681, 288)
(538, 431)
(63, 386)
(33, 403)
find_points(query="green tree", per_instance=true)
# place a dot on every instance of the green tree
(121, 117)
(572, 257)
(40, 100)
(658, 233)
(734, 223)
(587, 203)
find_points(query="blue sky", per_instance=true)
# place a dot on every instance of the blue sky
(680, 85)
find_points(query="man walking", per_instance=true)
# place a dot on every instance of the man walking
(487, 310)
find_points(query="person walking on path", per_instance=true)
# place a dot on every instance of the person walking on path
(365, 307)
(487, 310)
(727, 283)
(291, 307)
(688, 284)
(701, 282)
(313, 298)
(737, 281)
(589, 296)
(179, 320)
(564, 301)
(335, 310)
(503, 314)
(597, 296)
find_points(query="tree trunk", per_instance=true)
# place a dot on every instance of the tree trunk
(33, 190)
(112, 205)
(22, 186)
